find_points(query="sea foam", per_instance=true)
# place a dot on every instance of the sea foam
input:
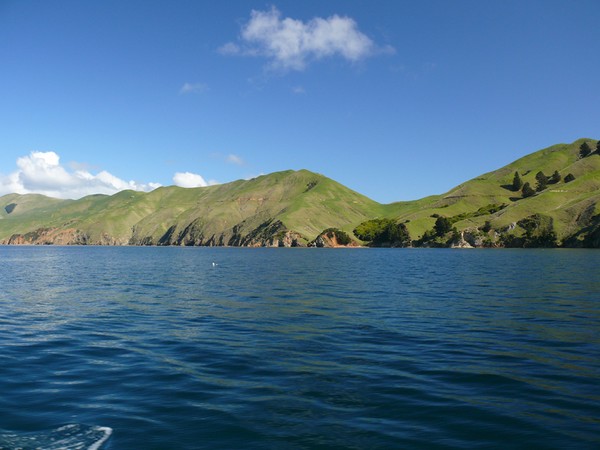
(67, 437)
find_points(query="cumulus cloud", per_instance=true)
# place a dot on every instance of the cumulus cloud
(193, 88)
(290, 44)
(42, 173)
(191, 180)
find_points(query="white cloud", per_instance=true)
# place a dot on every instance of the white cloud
(234, 159)
(42, 173)
(191, 180)
(290, 43)
(193, 88)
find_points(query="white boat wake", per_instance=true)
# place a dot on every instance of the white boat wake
(67, 437)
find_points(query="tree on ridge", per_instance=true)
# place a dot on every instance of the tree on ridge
(584, 150)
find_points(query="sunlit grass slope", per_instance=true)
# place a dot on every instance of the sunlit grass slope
(564, 202)
(250, 212)
(304, 202)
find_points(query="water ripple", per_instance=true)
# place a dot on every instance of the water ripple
(302, 348)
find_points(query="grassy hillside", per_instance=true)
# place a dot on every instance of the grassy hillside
(248, 212)
(27, 212)
(567, 204)
(294, 207)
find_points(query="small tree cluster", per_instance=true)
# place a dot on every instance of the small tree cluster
(555, 178)
(584, 150)
(442, 226)
(527, 190)
(542, 181)
(383, 232)
(438, 235)
(537, 231)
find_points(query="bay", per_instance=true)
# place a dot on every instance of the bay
(299, 348)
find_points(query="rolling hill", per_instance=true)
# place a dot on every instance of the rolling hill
(571, 207)
(285, 208)
(293, 208)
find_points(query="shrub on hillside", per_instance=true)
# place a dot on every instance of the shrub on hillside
(383, 232)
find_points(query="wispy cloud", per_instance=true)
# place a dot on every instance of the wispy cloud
(298, 90)
(193, 88)
(234, 159)
(42, 173)
(229, 49)
(290, 44)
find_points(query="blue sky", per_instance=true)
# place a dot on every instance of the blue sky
(395, 99)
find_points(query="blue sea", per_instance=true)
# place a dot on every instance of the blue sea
(233, 348)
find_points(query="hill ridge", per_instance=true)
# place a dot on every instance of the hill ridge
(295, 207)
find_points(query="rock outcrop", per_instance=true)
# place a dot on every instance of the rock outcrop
(332, 238)
(50, 236)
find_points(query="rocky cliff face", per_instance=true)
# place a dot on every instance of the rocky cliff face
(471, 238)
(280, 209)
(49, 236)
(269, 234)
(333, 239)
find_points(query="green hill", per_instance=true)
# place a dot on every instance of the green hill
(295, 207)
(569, 206)
(284, 208)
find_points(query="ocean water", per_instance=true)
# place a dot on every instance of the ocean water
(193, 348)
